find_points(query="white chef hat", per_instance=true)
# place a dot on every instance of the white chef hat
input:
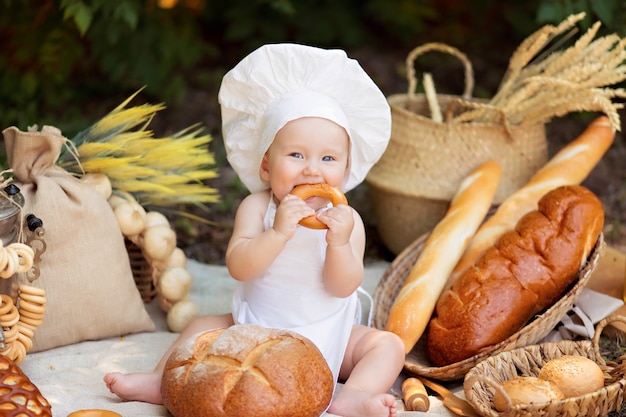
(278, 83)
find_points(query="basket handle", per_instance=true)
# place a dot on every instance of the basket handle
(471, 380)
(441, 47)
(599, 328)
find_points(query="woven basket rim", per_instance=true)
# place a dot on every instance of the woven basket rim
(415, 163)
(535, 330)
(396, 101)
(525, 358)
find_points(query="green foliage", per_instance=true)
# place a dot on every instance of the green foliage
(64, 60)
(80, 13)
(612, 13)
(345, 23)
(60, 54)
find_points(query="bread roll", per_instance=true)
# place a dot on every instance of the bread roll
(246, 370)
(526, 271)
(414, 304)
(571, 165)
(526, 390)
(574, 375)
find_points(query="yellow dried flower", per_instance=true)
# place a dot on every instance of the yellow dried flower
(156, 171)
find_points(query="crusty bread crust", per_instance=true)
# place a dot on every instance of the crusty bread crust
(524, 272)
(246, 370)
(571, 165)
(414, 305)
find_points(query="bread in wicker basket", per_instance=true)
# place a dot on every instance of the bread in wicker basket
(416, 362)
(157, 264)
(485, 379)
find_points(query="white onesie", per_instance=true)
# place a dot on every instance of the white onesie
(290, 295)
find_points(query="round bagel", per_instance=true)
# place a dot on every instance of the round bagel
(333, 194)
(94, 413)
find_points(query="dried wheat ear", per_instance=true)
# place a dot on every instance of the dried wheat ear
(541, 83)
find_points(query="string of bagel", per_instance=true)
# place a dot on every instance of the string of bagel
(20, 318)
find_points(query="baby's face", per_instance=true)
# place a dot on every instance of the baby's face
(309, 150)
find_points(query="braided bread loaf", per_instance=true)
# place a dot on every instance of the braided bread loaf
(19, 397)
(524, 272)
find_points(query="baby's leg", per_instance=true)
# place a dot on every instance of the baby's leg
(146, 387)
(371, 364)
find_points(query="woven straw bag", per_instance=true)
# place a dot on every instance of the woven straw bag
(412, 184)
(482, 381)
(416, 362)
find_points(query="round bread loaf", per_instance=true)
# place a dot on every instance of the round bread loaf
(574, 375)
(246, 370)
(526, 390)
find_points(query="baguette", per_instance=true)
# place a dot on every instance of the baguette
(569, 166)
(524, 272)
(412, 308)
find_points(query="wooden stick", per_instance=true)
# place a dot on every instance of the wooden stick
(414, 395)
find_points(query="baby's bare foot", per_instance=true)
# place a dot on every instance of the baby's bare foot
(145, 387)
(354, 403)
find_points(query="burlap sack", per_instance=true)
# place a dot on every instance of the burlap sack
(85, 269)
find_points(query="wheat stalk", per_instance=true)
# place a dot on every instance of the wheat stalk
(527, 50)
(157, 171)
(579, 78)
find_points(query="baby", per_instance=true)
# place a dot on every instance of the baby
(294, 115)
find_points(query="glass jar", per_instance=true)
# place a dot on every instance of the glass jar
(11, 204)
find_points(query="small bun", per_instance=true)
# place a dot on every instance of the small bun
(526, 390)
(574, 375)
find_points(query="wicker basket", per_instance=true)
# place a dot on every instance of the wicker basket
(482, 381)
(142, 272)
(416, 362)
(425, 161)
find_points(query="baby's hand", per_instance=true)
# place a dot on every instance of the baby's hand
(289, 212)
(340, 222)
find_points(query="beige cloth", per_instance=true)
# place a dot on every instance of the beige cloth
(70, 377)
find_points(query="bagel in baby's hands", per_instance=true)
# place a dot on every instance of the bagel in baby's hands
(247, 370)
(333, 194)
